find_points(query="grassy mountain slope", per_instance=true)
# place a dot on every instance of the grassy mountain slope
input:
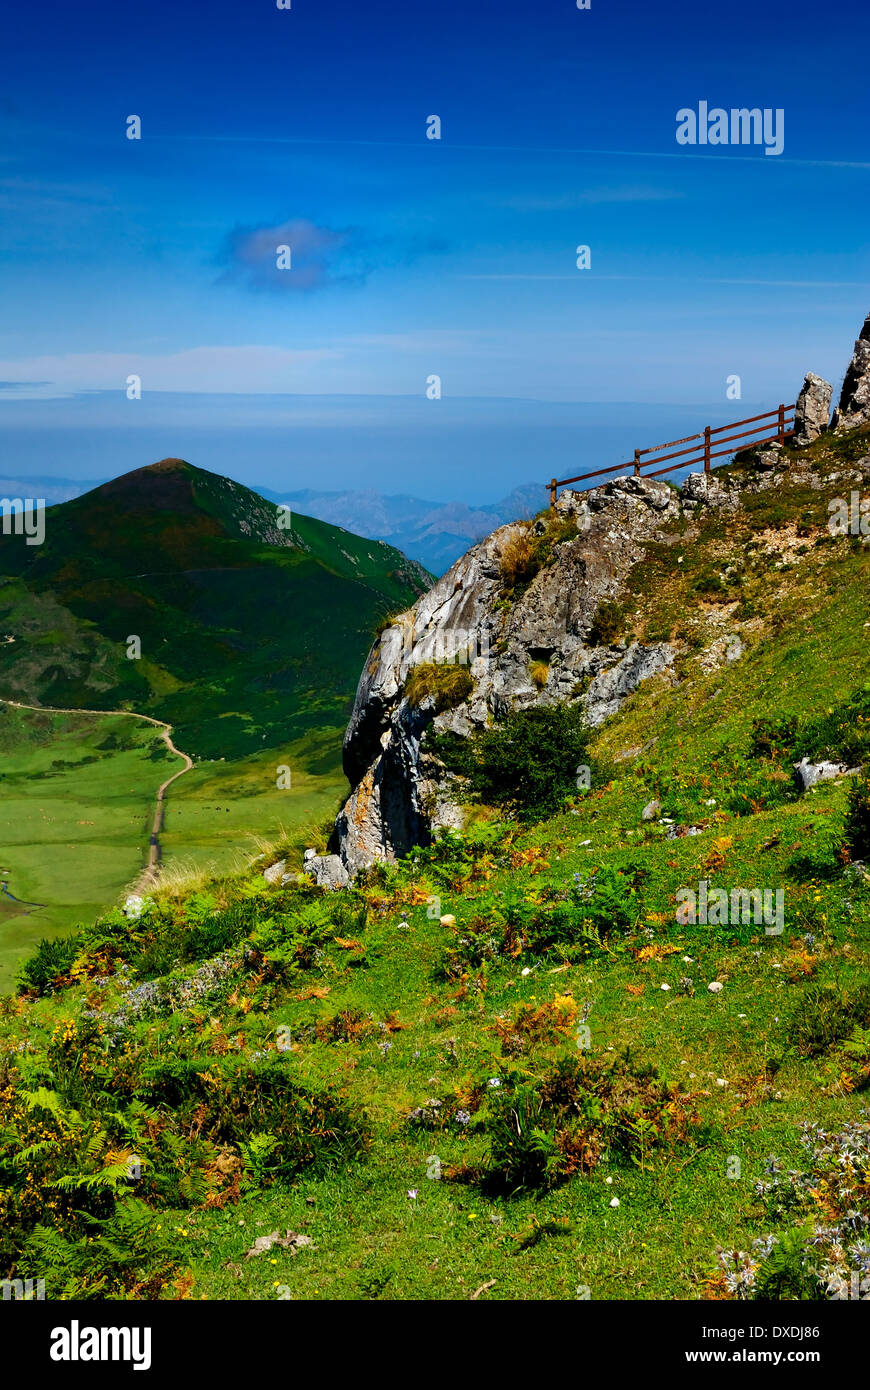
(76, 803)
(251, 635)
(497, 1068)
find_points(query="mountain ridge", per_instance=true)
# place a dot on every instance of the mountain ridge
(250, 625)
(433, 533)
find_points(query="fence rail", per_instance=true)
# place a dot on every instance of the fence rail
(701, 453)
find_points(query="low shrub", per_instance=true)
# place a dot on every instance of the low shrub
(608, 624)
(773, 737)
(50, 962)
(526, 764)
(313, 1129)
(531, 549)
(825, 1015)
(518, 563)
(807, 1260)
(541, 1133)
(856, 828)
(572, 923)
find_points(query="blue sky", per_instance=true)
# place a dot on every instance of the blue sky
(415, 257)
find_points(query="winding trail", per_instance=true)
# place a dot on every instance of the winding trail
(152, 869)
(4, 892)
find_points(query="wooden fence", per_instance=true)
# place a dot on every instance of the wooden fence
(703, 452)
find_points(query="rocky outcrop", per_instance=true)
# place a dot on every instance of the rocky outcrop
(400, 795)
(854, 407)
(612, 686)
(812, 411)
(536, 644)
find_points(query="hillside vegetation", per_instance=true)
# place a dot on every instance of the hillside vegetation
(77, 798)
(251, 634)
(503, 1068)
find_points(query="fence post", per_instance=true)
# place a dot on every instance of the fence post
(553, 486)
(706, 448)
(637, 463)
(781, 435)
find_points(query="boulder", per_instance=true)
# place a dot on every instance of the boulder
(709, 490)
(854, 407)
(327, 871)
(813, 410)
(807, 774)
(275, 872)
(401, 795)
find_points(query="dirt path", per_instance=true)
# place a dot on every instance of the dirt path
(153, 867)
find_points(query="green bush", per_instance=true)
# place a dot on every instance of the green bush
(773, 737)
(607, 625)
(219, 932)
(50, 961)
(856, 829)
(123, 1256)
(526, 764)
(711, 582)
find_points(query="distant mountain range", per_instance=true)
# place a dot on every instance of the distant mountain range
(434, 533)
(252, 634)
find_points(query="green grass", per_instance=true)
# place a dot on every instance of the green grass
(373, 1240)
(221, 811)
(70, 838)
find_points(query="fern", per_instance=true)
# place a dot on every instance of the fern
(109, 1178)
(42, 1146)
(787, 1273)
(44, 1099)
